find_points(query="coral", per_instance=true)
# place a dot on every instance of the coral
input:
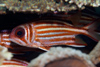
(60, 53)
(4, 54)
(43, 6)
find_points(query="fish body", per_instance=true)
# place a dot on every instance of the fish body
(14, 63)
(4, 38)
(46, 33)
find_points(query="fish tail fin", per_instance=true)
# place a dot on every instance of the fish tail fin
(91, 28)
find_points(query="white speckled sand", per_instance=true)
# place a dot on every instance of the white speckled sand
(59, 53)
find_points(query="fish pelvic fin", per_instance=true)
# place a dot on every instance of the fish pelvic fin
(91, 28)
(45, 48)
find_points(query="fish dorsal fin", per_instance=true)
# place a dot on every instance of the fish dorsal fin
(65, 23)
(92, 25)
(75, 18)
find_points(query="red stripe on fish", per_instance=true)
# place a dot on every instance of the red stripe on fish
(53, 34)
(14, 62)
(4, 39)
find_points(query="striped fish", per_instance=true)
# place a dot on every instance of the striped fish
(78, 19)
(13, 48)
(14, 63)
(4, 38)
(45, 33)
(86, 19)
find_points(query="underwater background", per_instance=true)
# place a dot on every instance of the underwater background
(10, 20)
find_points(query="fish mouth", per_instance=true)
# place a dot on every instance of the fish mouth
(21, 43)
(15, 41)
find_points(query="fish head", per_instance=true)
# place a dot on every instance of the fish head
(19, 35)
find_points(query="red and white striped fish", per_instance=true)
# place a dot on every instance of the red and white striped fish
(13, 48)
(45, 33)
(14, 63)
(78, 19)
(4, 38)
(85, 19)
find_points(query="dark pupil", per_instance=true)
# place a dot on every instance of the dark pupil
(19, 33)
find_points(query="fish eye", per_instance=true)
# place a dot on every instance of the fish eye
(20, 32)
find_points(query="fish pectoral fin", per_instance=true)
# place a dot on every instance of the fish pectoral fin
(79, 40)
(36, 44)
